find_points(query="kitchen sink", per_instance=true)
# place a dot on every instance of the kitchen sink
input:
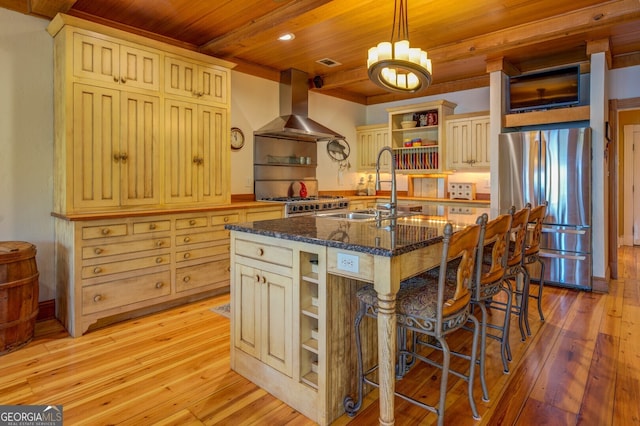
(355, 216)
(361, 215)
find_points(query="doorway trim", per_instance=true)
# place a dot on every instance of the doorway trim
(615, 105)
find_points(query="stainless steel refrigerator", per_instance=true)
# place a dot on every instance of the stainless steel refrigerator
(553, 166)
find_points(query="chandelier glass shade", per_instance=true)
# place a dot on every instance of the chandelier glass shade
(395, 65)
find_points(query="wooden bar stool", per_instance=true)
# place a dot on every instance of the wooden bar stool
(431, 310)
(532, 252)
(515, 269)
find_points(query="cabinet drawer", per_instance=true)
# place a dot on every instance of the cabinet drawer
(154, 226)
(202, 252)
(202, 237)
(225, 219)
(193, 222)
(114, 294)
(256, 215)
(268, 253)
(113, 230)
(202, 275)
(93, 271)
(92, 252)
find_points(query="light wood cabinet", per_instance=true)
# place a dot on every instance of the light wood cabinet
(468, 143)
(428, 149)
(370, 139)
(115, 148)
(263, 303)
(124, 130)
(112, 63)
(190, 79)
(195, 166)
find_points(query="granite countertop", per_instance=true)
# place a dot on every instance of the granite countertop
(383, 238)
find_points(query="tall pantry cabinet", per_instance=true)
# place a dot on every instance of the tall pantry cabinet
(141, 152)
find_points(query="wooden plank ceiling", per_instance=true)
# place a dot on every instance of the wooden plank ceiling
(461, 37)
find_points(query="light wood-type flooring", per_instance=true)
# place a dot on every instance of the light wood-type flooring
(581, 366)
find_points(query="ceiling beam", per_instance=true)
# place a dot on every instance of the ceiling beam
(497, 42)
(236, 39)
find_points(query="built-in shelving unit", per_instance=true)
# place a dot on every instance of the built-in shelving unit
(419, 147)
(309, 311)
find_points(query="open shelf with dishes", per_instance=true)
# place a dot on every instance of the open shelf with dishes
(417, 135)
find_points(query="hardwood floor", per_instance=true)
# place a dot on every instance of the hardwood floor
(580, 367)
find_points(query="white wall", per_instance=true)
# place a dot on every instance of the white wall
(255, 102)
(26, 138)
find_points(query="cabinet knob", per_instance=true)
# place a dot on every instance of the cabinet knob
(186, 255)
(192, 222)
(159, 284)
(264, 279)
(186, 239)
(123, 80)
(186, 279)
(226, 219)
(115, 79)
(97, 250)
(97, 270)
(257, 278)
(158, 260)
(105, 231)
(97, 298)
(124, 157)
(260, 252)
(152, 226)
(159, 243)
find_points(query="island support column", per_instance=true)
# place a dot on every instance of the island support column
(386, 284)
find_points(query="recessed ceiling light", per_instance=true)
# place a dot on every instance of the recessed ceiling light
(287, 37)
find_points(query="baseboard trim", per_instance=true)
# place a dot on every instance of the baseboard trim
(600, 284)
(46, 310)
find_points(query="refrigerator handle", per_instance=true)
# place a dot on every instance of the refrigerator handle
(555, 230)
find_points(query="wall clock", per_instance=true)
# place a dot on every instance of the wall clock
(237, 138)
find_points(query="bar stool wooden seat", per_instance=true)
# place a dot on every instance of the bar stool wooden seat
(532, 253)
(427, 310)
(515, 270)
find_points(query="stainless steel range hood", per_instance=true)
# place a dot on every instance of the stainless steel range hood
(294, 122)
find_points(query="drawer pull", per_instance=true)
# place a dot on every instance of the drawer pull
(97, 298)
(264, 279)
(158, 260)
(159, 243)
(192, 222)
(97, 250)
(187, 239)
(186, 255)
(186, 279)
(226, 219)
(115, 78)
(105, 231)
(152, 226)
(97, 270)
(258, 279)
(123, 80)
(260, 252)
(159, 284)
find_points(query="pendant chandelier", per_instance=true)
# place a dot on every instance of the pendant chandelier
(395, 65)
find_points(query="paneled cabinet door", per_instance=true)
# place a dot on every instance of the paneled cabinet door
(370, 141)
(96, 142)
(263, 316)
(468, 143)
(110, 62)
(195, 152)
(140, 149)
(184, 78)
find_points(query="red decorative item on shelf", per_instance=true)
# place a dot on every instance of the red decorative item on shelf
(303, 190)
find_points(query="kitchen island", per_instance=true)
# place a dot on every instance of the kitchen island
(293, 285)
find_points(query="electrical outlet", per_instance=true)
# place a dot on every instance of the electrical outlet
(348, 262)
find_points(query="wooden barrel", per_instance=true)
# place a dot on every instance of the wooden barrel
(18, 294)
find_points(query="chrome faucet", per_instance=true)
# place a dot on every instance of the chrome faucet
(393, 202)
